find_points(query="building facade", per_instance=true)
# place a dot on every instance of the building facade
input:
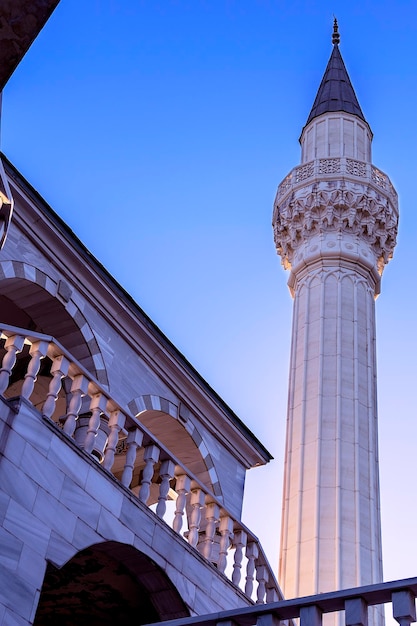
(122, 471)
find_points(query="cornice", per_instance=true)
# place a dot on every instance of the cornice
(64, 250)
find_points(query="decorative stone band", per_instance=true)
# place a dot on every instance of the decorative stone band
(325, 274)
(334, 167)
(354, 218)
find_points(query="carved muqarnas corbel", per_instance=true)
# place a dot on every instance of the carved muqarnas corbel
(354, 209)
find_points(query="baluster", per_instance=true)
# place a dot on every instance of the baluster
(97, 407)
(78, 389)
(356, 612)
(196, 502)
(133, 442)
(12, 346)
(239, 543)
(212, 517)
(150, 457)
(116, 423)
(182, 487)
(226, 532)
(37, 351)
(252, 554)
(310, 616)
(403, 607)
(166, 472)
(59, 369)
(262, 578)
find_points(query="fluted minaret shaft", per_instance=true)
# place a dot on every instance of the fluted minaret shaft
(330, 530)
(335, 225)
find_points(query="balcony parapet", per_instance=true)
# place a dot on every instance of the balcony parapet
(310, 609)
(106, 429)
(336, 168)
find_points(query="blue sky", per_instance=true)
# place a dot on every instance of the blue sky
(160, 129)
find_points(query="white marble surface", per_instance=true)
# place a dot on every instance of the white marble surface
(131, 363)
(335, 224)
(51, 517)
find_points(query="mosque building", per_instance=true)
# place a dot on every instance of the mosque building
(122, 471)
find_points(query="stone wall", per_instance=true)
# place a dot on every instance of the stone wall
(55, 501)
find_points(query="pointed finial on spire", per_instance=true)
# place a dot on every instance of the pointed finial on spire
(335, 35)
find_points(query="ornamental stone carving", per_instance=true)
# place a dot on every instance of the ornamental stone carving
(303, 172)
(322, 274)
(329, 166)
(356, 168)
(354, 210)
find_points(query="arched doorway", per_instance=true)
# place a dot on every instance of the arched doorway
(106, 584)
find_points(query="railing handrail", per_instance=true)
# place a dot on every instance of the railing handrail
(329, 602)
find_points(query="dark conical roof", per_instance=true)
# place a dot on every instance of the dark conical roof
(335, 92)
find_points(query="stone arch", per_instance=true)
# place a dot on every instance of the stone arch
(345, 273)
(108, 583)
(31, 297)
(157, 414)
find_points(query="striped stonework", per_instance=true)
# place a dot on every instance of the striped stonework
(184, 416)
(20, 281)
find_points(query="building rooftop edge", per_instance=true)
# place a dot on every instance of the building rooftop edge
(69, 234)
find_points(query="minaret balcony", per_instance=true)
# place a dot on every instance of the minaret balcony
(38, 373)
(336, 169)
(348, 207)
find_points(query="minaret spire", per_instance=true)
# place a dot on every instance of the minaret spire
(335, 92)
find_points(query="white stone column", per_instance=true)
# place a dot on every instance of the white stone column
(331, 475)
(334, 234)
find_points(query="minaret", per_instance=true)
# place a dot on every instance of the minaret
(335, 225)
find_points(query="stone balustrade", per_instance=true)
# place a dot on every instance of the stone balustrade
(356, 603)
(337, 167)
(120, 443)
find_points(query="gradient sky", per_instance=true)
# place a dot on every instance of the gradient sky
(159, 131)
